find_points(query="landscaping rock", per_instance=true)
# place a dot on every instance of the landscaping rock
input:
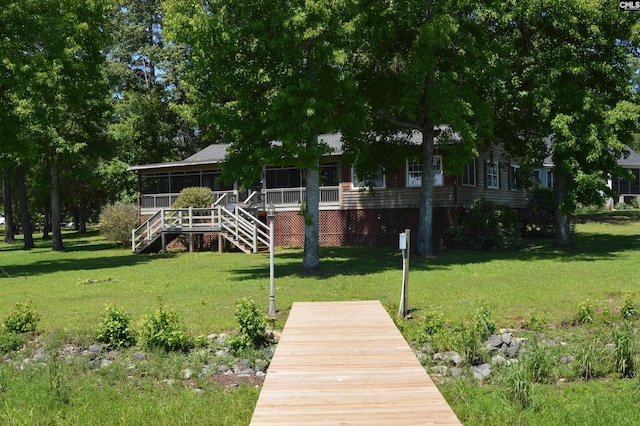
(139, 356)
(455, 371)
(95, 349)
(482, 371)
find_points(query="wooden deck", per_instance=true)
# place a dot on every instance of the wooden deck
(346, 363)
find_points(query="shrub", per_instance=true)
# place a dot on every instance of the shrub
(539, 215)
(433, 323)
(252, 332)
(194, 196)
(117, 221)
(115, 328)
(586, 312)
(165, 330)
(483, 325)
(486, 226)
(629, 308)
(10, 342)
(23, 319)
(535, 322)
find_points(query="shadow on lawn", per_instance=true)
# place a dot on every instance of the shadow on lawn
(337, 261)
(67, 260)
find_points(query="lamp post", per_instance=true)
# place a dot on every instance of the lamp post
(271, 214)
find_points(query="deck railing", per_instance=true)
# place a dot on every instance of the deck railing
(296, 196)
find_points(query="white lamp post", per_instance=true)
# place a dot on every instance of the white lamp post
(271, 214)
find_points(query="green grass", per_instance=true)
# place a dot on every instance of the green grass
(70, 290)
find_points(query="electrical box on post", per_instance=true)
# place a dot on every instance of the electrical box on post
(403, 241)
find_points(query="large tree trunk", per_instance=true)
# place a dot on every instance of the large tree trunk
(9, 236)
(563, 225)
(27, 229)
(311, 260)
(424, 245)
(56, 229)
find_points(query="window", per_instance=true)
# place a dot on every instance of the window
(551, 180)
(514, 172)
(329, 175)
(469, 176)
(493, 177)
(536, 176)
(378, 179)
(283, 177)
(414, 172)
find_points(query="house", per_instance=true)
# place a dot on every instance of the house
(349, 213)
(627, 190)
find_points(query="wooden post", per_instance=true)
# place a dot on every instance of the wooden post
(404, 298)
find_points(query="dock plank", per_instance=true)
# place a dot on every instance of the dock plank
(346, 363)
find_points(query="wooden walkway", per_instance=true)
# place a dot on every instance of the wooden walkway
(346, 363)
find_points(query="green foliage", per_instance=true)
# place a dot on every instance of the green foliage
(537, 361)
(164, 330)
(535, 322)
(517, 385)
(483, 324)
(115, 328)
(194, 196)
(627, 350)
(433, 323)
(252, 332)
(486, 226)
(23, 319)
(630, 309)
(117, 221)
(539, 216)
(586, 312)
(589, 359)
(10, 342)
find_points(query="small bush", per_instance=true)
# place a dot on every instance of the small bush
(586, 312)
(10, 342)
(115, 328)
(194, 196)
(535, 322)
(486, 226)
(252, 332)
(164, 330)
(539, 215)
(23, 319)
(433, 323)
(483, 324)
(629, 309)
(117, 221)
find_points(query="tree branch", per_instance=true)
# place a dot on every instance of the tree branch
(392, 120)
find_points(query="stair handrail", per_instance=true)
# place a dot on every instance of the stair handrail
(220, 200)
(145, 231)
(245, 227)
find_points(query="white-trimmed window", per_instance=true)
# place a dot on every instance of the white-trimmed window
(469, 176)
(378, 181)
(414, 172)
(493, 175)
(551, 179)
(514, 173)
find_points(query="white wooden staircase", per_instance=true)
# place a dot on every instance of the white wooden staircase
(233, 223)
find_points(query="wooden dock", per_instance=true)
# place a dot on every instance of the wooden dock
(346, 363)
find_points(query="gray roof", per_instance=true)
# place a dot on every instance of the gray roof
(215, 153)
(632, 160)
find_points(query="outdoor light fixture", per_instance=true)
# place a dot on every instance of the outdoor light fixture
(271, 214)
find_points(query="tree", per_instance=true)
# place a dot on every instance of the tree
(145, 74)
(271, 71)
(426, 67)
(56, 87)
(571, 65)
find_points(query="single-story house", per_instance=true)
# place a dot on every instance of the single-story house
(627, 190)
(349, 213)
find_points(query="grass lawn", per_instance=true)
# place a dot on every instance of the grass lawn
(70, 289)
